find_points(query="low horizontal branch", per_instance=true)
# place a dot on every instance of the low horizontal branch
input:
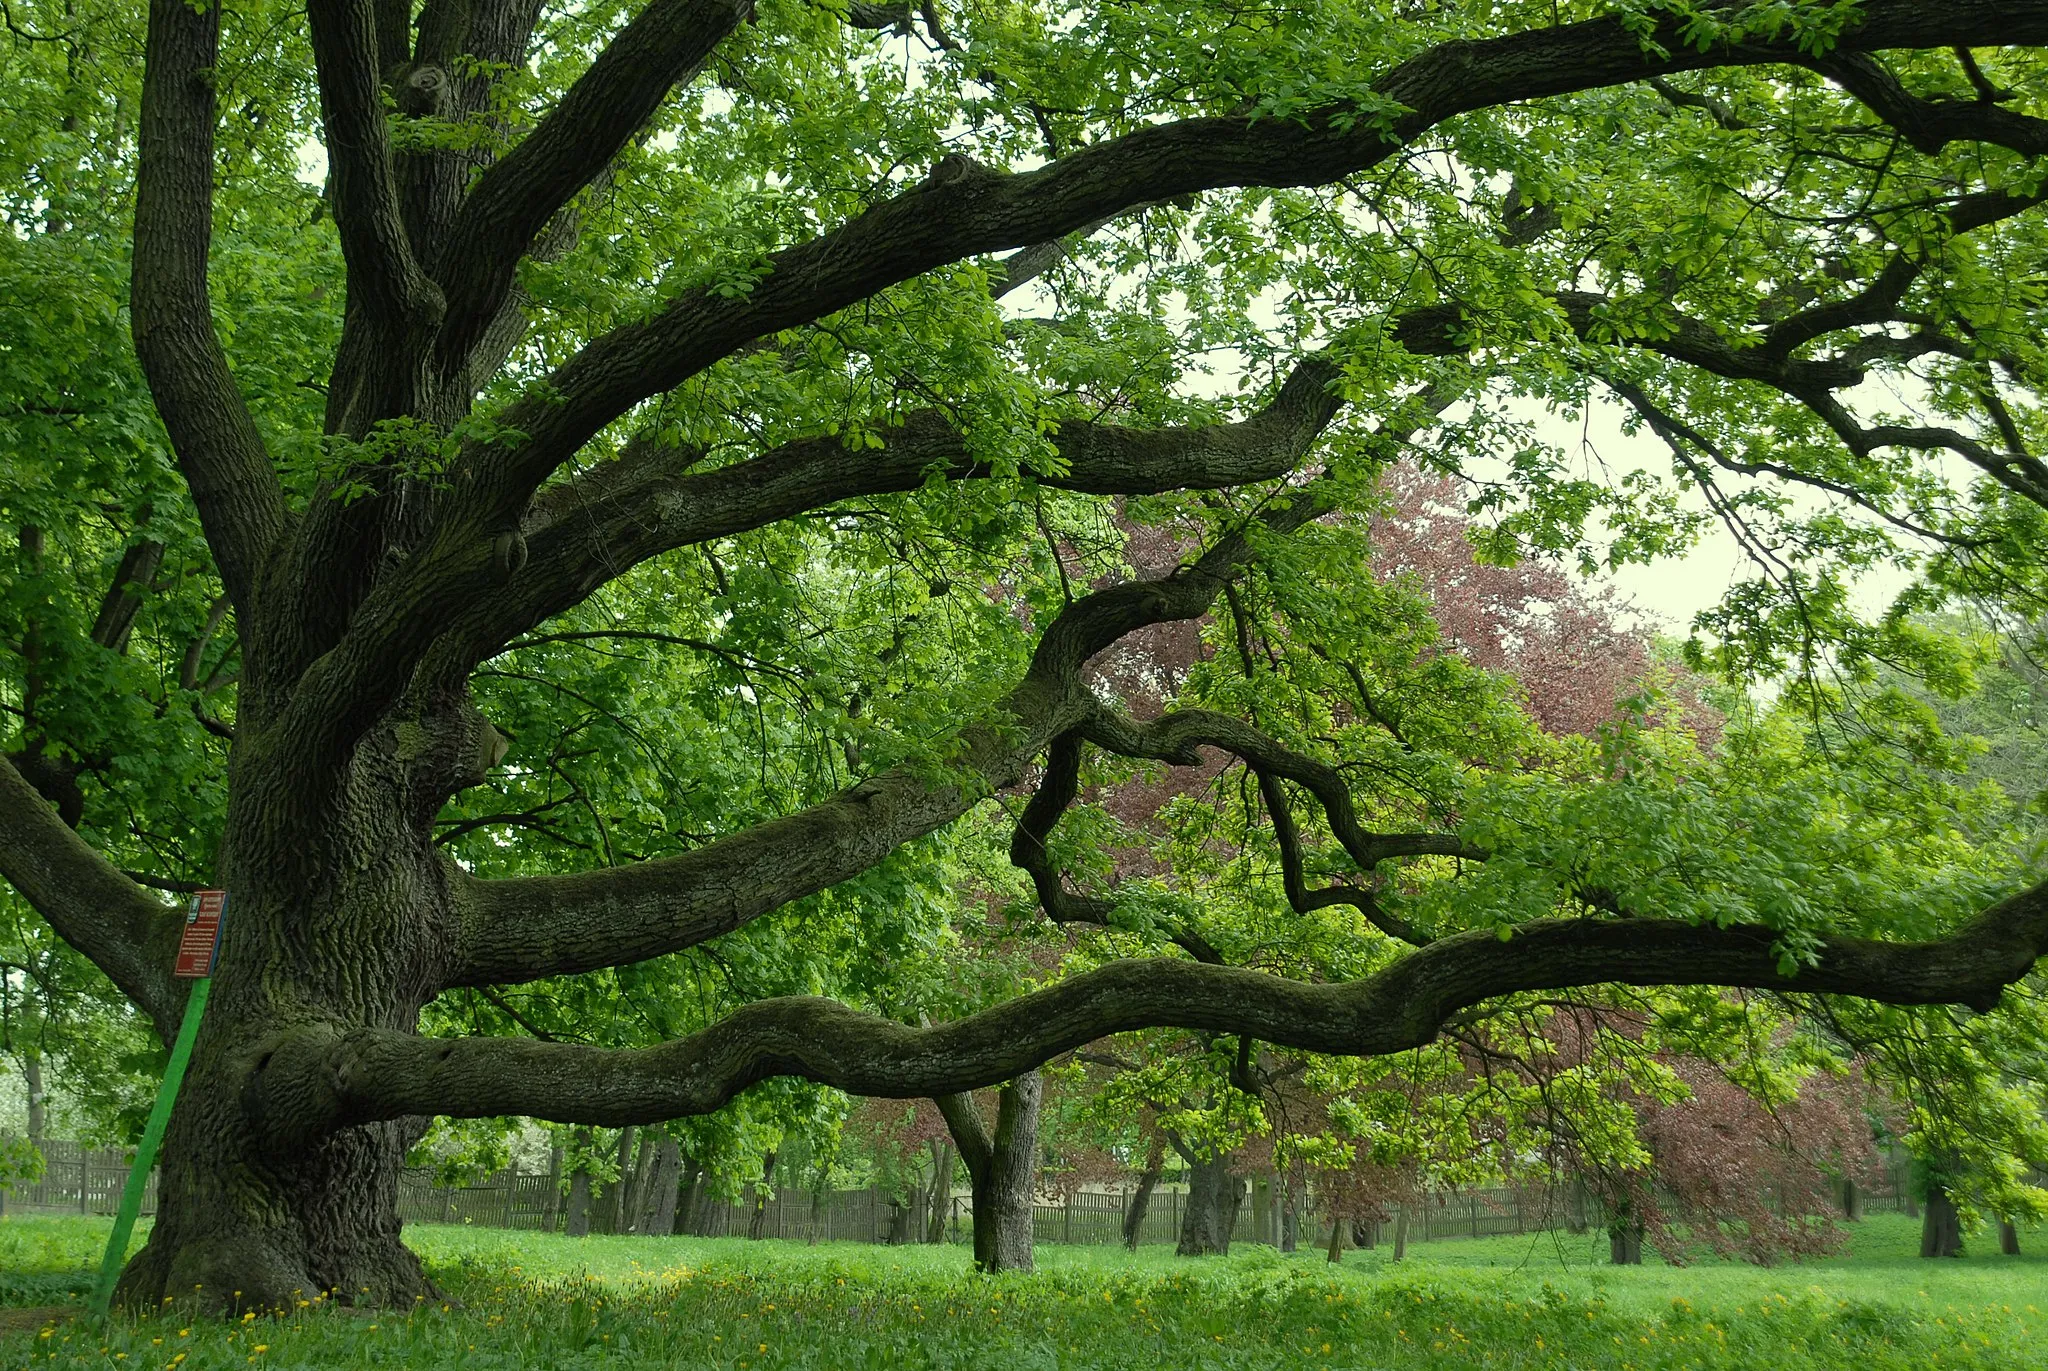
(371, 1074)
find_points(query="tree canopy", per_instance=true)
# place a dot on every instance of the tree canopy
(636, 499)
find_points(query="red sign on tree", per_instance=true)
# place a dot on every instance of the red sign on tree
(202, 934)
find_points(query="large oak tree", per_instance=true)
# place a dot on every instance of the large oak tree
(631, 292)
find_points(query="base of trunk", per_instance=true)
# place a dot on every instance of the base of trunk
(1941, 1230)
(235, 1239)
(1625, 1245)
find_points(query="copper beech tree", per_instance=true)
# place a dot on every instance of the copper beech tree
(625, 294)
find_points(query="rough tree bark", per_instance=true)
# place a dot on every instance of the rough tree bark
(2008, 1237)
(1002, 1168)
(361, 620)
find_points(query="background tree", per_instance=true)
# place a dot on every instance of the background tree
(706, 322)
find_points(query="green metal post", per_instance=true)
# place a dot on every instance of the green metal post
(145, 1153)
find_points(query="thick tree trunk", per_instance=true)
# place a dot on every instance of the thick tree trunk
(1003, 1169)
(1625, 1244)
(1214, 1194)
(1941, 1231)
(1365, 1234)
(1852, 1200)
(329, 929)
(1401, 1233)
(2008, 1238)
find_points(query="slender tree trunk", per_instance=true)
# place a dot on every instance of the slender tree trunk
(686, 1198)
(1290, 1219)
(611, 1211)
(1003, 1169)
(551, 1207)
(1941, 1231)
(32, 1077)
(577, 1221)
(1141, 1198)
(576, 1224)
(1852, 1200)
(658, 1214)
(2008, 1238)
(1577, 1207)
(634, 1197)
(940, 1197)
(1336, 1251)
(1215, 1193)
(1401, 1233)
(817, 1213)
(759, 1217)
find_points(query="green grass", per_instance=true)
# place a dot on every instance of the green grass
(526, 1300)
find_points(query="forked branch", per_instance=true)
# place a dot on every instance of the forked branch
(241, 504)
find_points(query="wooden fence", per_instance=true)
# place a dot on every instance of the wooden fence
(77, 1180)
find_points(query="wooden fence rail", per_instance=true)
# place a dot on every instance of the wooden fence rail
(78, 1180)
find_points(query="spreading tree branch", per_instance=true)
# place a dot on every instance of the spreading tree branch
(322, 1077)
(519, 930)
(93, 907)
(963, 209)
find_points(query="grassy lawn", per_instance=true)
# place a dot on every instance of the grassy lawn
(526, 1300)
